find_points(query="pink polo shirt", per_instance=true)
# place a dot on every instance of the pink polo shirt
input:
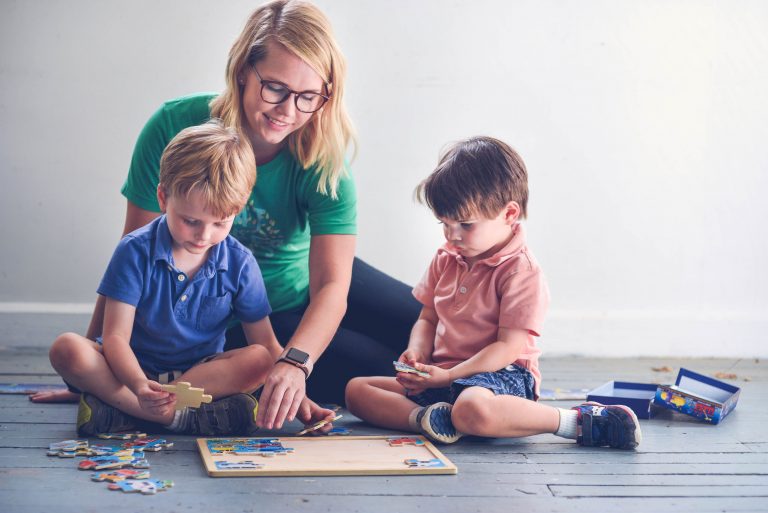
(506, 290)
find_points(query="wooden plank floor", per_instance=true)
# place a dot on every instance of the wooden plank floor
(681, 466)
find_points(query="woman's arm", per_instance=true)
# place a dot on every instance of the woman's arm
(330, 272)
(135, 217)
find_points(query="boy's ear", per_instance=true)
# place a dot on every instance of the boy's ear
(161, 197)
(512, 212)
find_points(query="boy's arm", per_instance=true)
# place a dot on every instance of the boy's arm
(422, 339)
(493, 357)
(260, 332)
(118, 325)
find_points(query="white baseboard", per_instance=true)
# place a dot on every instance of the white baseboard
(601, 334)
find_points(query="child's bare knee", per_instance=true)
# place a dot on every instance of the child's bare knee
(353, 392)
(472, 416)
(65, 350)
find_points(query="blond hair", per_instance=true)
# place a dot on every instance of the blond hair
(213, 160)
(305, 31)
(479, 175)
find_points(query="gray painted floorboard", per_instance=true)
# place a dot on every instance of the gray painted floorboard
(681, 466)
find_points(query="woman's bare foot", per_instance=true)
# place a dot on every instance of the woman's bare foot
(54, 396)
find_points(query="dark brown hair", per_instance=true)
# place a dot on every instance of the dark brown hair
(477, 176)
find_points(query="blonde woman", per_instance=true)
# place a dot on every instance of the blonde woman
(284, 91)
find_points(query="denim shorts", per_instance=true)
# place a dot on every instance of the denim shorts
(511, 380)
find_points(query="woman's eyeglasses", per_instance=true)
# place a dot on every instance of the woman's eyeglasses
(276, 92)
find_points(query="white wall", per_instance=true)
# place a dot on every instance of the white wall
(643, 125)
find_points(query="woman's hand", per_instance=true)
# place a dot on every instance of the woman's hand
(284, 391)
(311, 413)
(154, 399)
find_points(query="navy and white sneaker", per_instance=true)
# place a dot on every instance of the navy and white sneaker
(435, 422)
(607, 426)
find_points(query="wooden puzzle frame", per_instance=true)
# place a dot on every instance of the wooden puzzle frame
(329, 456)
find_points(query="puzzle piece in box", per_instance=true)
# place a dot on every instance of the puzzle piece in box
(145, 486)
(247, 464)
(187, 395)
(148, 444)
(404, 367)
(114, 461)
(120, 475)
(318, 425)
(121, 436)
(432, 463)
(399, 441)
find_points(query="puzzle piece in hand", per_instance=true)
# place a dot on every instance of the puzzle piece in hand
(114, 461)
(187, 395)
(145, 486)
(120, 475)
(434, 462)
(318, 425)
(400, 441)
(247, 464)
(148, 444)
(122, 436)
(404, 367)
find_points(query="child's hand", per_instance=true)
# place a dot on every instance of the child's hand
(438, 378)
(310, 413)
(154, 399)
(411, 357)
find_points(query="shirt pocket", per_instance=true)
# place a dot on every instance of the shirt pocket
(214, 311)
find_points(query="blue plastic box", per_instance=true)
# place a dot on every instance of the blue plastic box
(637, 396)
(702, 397)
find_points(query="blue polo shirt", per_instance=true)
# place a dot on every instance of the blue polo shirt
(180, 320)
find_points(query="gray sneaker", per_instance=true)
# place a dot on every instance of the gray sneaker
(94, 416)
(435, 422)
(233, 415)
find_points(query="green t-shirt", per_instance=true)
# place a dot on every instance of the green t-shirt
(284, 209)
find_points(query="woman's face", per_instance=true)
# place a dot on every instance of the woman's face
(269, 124)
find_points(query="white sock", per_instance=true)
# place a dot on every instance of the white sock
(179, 422)
(569, 422)
(412, 422)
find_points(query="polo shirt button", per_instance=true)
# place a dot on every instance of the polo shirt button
(184, 297)
(181, 277)
(463, 290)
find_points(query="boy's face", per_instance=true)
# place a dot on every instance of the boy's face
(193, 228)
(479, 237)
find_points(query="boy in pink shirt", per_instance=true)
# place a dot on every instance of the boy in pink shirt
(484, 298)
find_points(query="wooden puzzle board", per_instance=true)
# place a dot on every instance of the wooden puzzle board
(328, 456)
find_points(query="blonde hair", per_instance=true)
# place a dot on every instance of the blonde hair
(305, 31)
(479, 175)
(213, 160)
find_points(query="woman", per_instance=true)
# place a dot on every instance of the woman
(284, 90)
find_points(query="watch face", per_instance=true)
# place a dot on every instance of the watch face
(297, 355)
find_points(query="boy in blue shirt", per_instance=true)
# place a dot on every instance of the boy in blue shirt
(171, 288)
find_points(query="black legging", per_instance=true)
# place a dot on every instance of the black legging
(380, 314)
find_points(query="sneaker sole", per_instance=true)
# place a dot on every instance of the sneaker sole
(426, 425)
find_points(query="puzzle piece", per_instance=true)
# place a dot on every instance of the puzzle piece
(120, 475)
(318, 425)
(187, 395)
(400, 441)
(432, 463)
(338, 431)
(114, 461)
(145, 486)
(247, 464)
(404, 367)
(121, 436)
(148, 444)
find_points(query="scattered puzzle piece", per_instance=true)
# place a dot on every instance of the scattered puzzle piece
(148, 444)
(228, 465)
(187, 395)
(318, 425)
(400, 441)
(120, 475)
(404, 367)
(432, 463)
(114, 461)
(338, 431)
(145, 486)
(122, 436)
